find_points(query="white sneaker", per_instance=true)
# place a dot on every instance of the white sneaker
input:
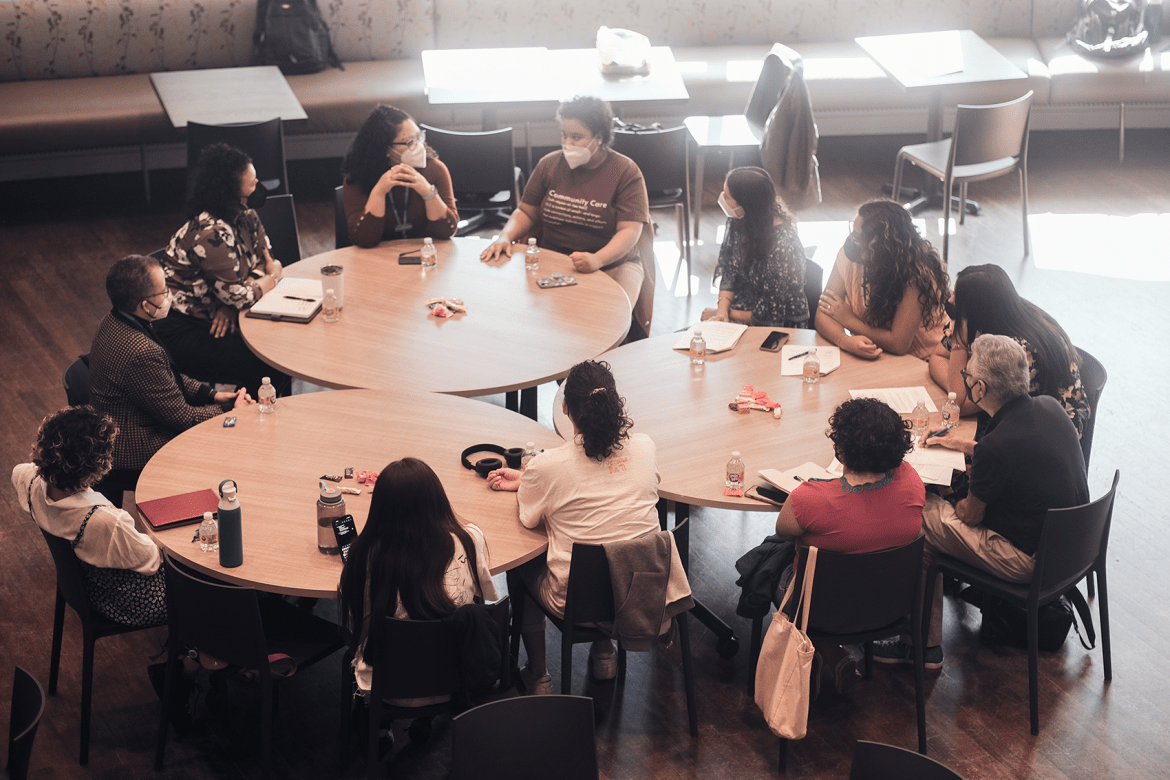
(604, 665)
(534, 686)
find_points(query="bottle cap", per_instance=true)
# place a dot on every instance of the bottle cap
(266, 381)
(698, 331)
(735, 454)
(329, 493)
(530, 445)
(952, 396)
(330, 291)
(208, 517)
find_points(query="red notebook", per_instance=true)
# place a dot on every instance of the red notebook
(179, 510)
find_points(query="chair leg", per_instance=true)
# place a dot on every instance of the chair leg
(58, 630)
(867, 648)
(1024, 206)
(1089, 586)
(266, 705)
(168, 691)
(756, 645)
(962, 203)
(684, 640)
(919, 689)
(946, 224)
(86, 694)
(372, 729)
(896, 191)
(567, 663)
(697, 208)
(1033, 669)
(346, 710)
(621, 659)
(783, 755)
(1103, 609)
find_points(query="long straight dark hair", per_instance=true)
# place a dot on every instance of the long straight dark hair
(755, 193)
(404, 549)
(987, 301)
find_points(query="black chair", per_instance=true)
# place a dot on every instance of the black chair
(484, 175)
(279, 217)
(814, 283)
(415, 659)
(71, 591)
(263, 141)
(860, 598)
(76, 381)
(663, 156)
(589, 601)
(526, 738)
(229, 623)
(28, 704)
(1074, 542)
(340, 224)
(875, 761)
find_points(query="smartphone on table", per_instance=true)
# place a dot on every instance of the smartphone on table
(774, 341)
(410, 258)
(346, 532)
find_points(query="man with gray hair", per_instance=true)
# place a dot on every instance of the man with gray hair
(1026, 461)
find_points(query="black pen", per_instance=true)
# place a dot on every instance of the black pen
(295, 298)
(802, 354)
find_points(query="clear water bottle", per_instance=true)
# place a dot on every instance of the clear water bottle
(209, 533)
(428, 253)
(950, 410)
(266, 397)
(231, 541)
(698, 348)
(812, 367)
(918, 420)
(529, 453)
(329, 308)
(532, 256)
(330, 505)
(735, 473)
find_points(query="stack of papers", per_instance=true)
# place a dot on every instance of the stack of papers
(935, 464)
(791, 479)
(792, 359)
(720, 336)
(292, 300)
(901, 399)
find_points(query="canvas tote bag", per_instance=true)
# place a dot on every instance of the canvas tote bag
(782, 675)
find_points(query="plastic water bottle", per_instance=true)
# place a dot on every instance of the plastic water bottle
(330, 504)
(532, 256)
(266, 397)
(735, 473)
(529, 452)
(329, 308)
(812, 367)
(698, 348)
(918, 420)
(950, 410)
(208, 533)
(231, 543)
(428, 254)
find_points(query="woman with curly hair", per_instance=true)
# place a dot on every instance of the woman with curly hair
(761, 262)
(600, 487)
(876, 503)
(986, 301)
(887, 290)
(218, 264)
(121, 567)
(393, 184)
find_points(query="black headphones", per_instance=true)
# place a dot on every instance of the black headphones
(485, 466)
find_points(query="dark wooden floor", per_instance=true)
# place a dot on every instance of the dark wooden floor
(58, 238)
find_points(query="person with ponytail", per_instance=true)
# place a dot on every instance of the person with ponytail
(600, 487)
(761, 263)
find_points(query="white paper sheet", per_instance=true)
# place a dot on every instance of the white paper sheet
(720, 336)
(792, 359)
(900, 399)
(792, 478)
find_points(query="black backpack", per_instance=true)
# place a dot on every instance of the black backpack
(1109, 28)
(292, 35)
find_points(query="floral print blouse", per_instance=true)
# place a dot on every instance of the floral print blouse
(211, 263)
(772, 288)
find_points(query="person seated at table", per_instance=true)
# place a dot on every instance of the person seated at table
(217, 265)
(600, 487)
(762, 260)
(588, 202)
(413, 559)
(133, 380)
(122, 568)
(393, 184)
(986, 301)
(887, 289)
(875, 505)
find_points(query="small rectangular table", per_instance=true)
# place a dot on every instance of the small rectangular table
(223, 96)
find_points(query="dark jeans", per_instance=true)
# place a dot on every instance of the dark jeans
(225, 360)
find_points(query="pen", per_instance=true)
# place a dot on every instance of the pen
(295, 298)
(798, 479)
(941, 432)
(802, 354)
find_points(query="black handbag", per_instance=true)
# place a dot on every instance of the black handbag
(1005, 623)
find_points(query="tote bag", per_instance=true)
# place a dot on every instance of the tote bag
(782, 675)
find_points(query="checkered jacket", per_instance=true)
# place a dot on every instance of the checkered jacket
(131, 379)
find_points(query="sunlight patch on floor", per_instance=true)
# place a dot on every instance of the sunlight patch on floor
(1120, 247)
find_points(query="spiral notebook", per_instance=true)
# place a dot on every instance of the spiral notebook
(174, 511)
(292, 300)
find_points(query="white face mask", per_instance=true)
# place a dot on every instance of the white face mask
(733, 213)
(161, 312)
(416, 156)
(576, 156)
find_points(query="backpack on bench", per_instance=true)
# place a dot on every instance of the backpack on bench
(292, 35)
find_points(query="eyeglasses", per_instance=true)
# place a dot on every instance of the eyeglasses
(963, 373)
(421, 138)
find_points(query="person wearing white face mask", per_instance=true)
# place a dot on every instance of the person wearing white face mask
(133, 379)
(394, 185)
(761, 263)
(588, 202)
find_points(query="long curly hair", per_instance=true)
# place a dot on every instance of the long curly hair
(899, 256)
(366, 160)
(74, 448)
(596, 408)
(869, 436)
(753, 190)
(217, 182)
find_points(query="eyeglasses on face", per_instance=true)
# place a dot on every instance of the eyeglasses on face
(421, 138)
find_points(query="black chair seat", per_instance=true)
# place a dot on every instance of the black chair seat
(28, 705)
(526, 737)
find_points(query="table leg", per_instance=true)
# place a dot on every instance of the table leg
(727, 644)
(528, 402)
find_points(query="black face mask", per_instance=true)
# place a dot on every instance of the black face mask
(853, 249)
(258, 197)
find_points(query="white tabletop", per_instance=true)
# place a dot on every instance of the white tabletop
(220, 96)
(938, 59)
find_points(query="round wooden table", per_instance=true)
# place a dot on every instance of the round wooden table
(514, 335)
(277, 459)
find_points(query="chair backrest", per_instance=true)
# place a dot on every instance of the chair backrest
(589, 594)
(526, 738)
(279, 217)
(76, 381)
(415, 658)
(875, 761)
(220, 620)
(340, 225)
(987, 133)
(814, 282)
(1093, 379)
(70, 581)
(661, 156)
(858, 592)
(482, 163)
(28, 704)
(770, 85)
(1072, 540)
(263, 141)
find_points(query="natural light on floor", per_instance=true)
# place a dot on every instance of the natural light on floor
(1129, 247)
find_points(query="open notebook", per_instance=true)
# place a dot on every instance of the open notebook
(292, 300)
(720, 336)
